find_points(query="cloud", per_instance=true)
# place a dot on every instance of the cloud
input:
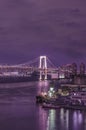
(29, 28)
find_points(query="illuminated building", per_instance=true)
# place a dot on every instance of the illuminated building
(82, 69)
(74, 69)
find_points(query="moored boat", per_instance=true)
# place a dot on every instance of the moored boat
(51, 106)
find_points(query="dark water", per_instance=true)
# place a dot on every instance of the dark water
(18, 110)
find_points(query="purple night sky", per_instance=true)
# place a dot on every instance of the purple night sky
(30, 28)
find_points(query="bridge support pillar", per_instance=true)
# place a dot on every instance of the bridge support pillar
(45, 76)
(43, 67)
(40, 78)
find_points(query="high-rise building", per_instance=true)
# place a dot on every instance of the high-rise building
(74, 68)
(82, 69)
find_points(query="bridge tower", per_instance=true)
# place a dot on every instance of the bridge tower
(43, 67)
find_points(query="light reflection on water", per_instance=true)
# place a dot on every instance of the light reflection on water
(65, 120)
(51, 120)
(64, 117)
(18, 110)
(43, 86)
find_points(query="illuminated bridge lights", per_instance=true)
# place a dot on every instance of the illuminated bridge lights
(43, 65)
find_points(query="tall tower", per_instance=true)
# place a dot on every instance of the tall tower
(43, 67)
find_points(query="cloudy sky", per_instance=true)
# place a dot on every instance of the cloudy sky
(30, 28)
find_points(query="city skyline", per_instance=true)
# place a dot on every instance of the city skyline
(53, 28)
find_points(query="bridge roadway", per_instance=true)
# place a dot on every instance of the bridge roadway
(42, 65)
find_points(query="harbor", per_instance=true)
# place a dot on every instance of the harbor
(67, 96)
(19, 110)
(60, 98)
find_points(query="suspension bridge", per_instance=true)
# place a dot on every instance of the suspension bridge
(41, 64)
